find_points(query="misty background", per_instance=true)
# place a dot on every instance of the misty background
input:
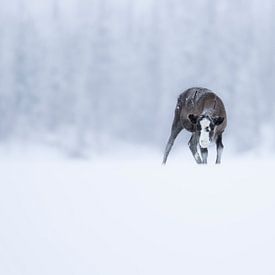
(91, 74)
(87, 96)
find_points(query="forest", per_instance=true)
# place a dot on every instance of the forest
(91, 74)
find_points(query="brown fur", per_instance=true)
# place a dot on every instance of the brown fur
(198, 102)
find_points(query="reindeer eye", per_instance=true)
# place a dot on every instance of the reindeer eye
(207, 129)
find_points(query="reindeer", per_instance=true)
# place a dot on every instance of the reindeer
(201, 112)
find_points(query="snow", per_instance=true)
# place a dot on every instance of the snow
(134, 216)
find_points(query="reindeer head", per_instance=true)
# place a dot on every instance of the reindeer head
(205, 125)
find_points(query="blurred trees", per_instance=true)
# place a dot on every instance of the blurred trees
(87, 73)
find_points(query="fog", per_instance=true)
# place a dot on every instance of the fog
(87, 96)
(92, 75)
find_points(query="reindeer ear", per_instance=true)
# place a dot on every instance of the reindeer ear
(193, 118)
(218, 120)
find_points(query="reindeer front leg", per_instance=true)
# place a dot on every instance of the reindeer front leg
(193, 145)
(204, 154)
(219, 148)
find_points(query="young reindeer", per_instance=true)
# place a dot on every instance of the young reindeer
(201, 112)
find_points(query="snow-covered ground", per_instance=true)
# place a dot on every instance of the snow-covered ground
(133, 216)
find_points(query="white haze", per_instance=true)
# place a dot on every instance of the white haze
(87, 95)
(88, 75)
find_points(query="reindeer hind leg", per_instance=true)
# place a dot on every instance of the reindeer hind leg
(176, 129)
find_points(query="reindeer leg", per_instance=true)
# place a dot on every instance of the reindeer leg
(219, 148)
(174, 133)
(193, 145)
(204, 154)
(176, 128)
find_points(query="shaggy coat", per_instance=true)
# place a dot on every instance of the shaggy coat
(194, 105)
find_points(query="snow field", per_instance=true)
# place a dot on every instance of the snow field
(136, 217)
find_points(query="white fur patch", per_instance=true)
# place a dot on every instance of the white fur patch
(204, 136)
